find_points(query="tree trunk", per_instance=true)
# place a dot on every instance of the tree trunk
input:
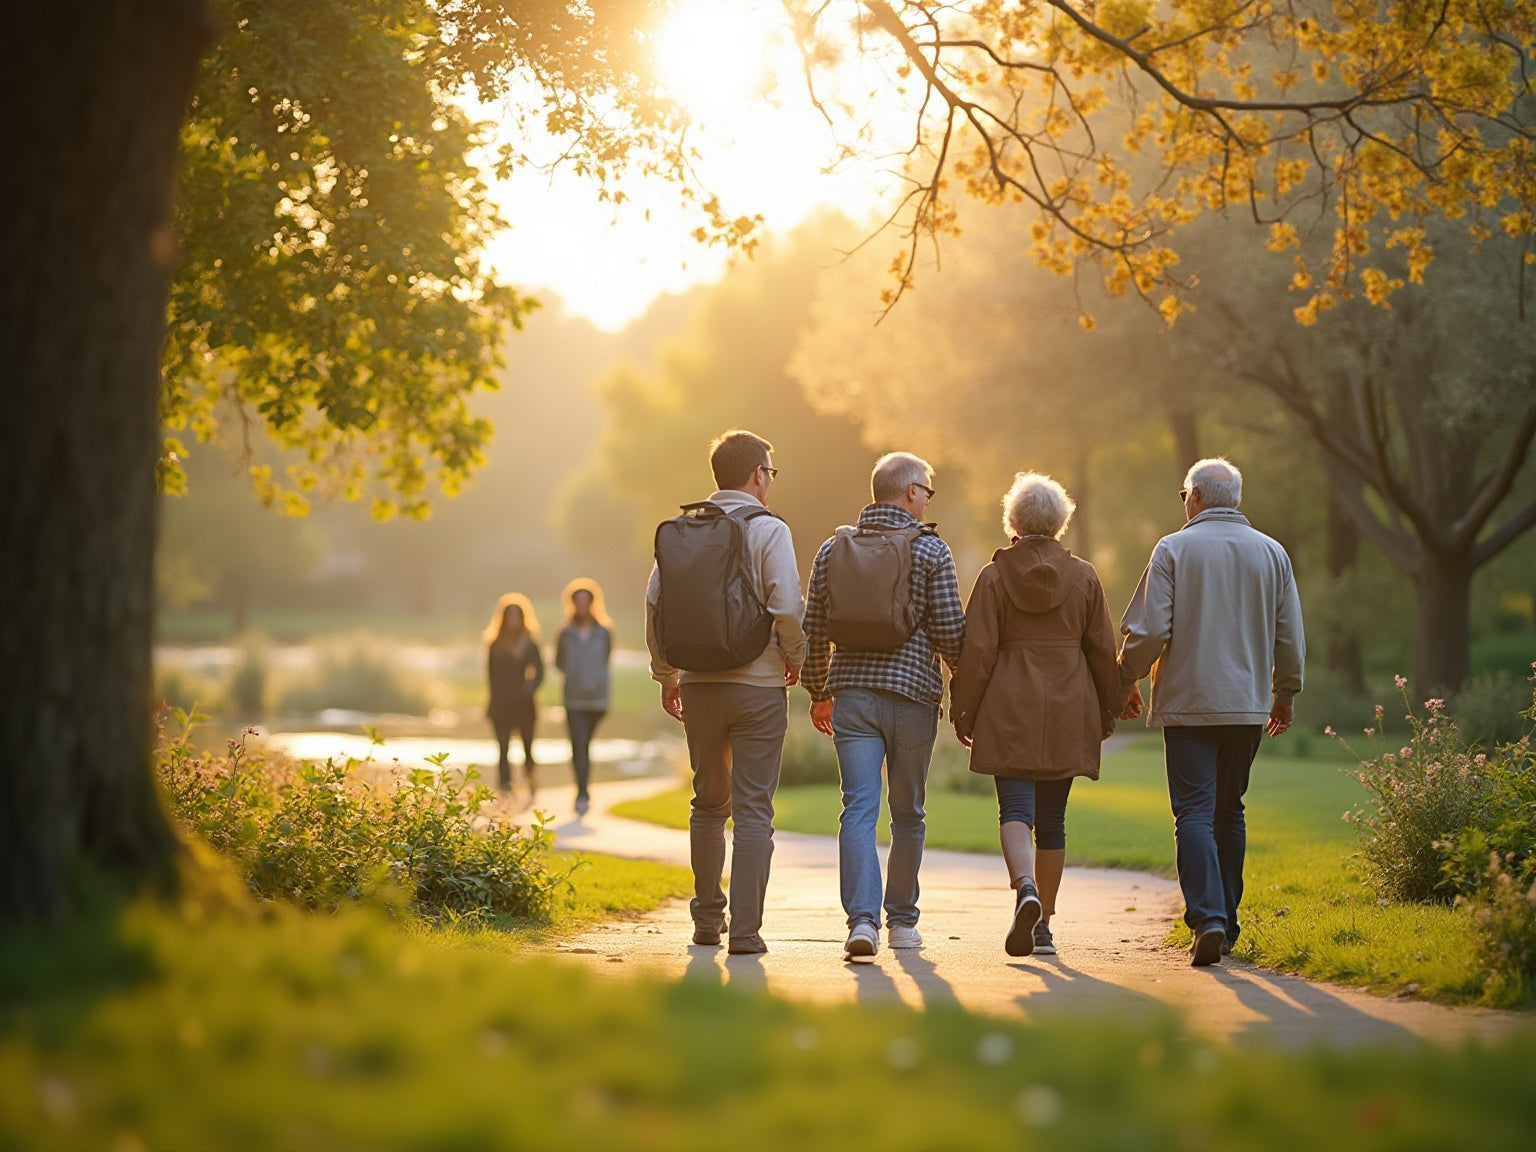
(1344, 656)
(1186, 437)
(85, 260)
(1442, 589)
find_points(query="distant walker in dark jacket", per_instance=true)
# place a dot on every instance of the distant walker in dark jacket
(515, 669)
(583, 648)
(1037, 692)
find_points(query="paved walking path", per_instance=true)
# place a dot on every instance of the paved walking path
(1110, 930)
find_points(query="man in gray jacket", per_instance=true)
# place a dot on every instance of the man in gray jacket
(1217, 621)
(735, 720)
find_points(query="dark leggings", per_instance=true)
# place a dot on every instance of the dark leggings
(582, 723)
(504, 765)
(1017, 801)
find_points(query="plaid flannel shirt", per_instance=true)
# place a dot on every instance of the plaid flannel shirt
(913, 669)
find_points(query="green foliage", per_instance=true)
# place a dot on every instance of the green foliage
(329, 287)
(1488, 709)
(1439, 798)
(157, 1030)
(1455, 823)
(1493, 868)
(319, 836)
(1421, 798)
(358, 674)
(1505, 911)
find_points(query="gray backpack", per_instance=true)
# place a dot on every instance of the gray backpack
(869, 587)
(709, 618)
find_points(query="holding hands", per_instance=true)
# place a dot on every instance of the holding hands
(1279, 719)
(1131, 709)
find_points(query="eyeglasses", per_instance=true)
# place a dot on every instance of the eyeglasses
(773, 473)
(925, 488)
(1183, 495)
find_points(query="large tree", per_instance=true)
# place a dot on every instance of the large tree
(1423, 415)
(89, 252)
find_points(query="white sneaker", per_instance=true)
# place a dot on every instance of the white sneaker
(863, 943)
(904, 936)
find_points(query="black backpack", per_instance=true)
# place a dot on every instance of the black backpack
(708, 618)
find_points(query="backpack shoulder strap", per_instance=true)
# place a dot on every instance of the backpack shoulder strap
(752, 513)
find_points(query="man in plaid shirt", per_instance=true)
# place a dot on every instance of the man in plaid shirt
(882, 708)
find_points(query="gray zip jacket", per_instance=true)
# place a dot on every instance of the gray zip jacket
(1217, 621)
(776, 580)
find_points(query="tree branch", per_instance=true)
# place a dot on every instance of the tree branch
(1493, 488)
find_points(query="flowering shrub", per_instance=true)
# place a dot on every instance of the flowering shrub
(318, 835)
(1450, 822)
(1423, 797)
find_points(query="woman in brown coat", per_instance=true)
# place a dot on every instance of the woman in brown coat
(1036, 693)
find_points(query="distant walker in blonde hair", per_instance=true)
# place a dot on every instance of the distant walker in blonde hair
(583, 649)
(514, 670)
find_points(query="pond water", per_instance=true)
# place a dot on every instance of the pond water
(610, 757)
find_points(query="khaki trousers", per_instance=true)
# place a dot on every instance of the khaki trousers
(735, 744)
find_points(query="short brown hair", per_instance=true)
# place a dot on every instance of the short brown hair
(735, 454)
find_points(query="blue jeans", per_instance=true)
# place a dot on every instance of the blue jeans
(1208, 772)
(582, 723)
(872, 728)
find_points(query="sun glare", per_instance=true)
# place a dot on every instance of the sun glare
(759, 144)
(711, 54)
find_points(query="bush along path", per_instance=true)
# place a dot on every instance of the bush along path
(1111, 929)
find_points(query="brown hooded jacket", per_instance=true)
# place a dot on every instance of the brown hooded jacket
(1038, 686)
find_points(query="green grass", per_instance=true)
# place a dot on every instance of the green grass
(1305, 909)
(142, 1028)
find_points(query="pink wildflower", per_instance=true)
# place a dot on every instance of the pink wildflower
(1400, 681)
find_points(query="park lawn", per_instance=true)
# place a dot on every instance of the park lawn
(601, 888)
(217, 1024)
(1305, 910)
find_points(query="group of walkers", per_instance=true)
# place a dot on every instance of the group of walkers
(515, 670)
(1036, 684)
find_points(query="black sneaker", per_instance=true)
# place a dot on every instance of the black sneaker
(746, 945)
(1206, 949)
(1045, 943)
(703, 934)
(1027, 911)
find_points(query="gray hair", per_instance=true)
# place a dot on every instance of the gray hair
(895, 472)
(1035, 505)
(1219, 483)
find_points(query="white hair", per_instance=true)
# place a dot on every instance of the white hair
(1035, 505)
(895, 472)
(1219, 483)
